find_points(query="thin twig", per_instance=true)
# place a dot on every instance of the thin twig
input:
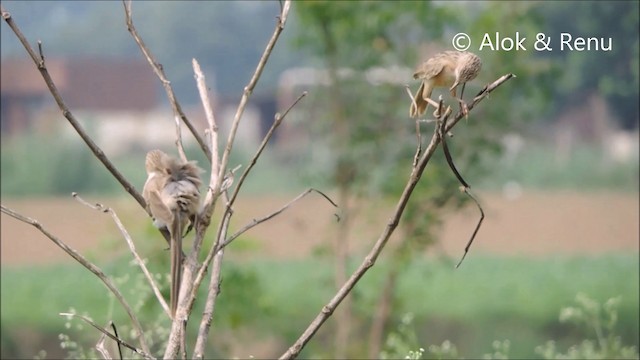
(132, 248)
(465, 186)
(115, 332)
(370, 259)
(286, 206)
(248, 90)
(418, 133)
(278, 118)
(479, 97)
(157, 69)
(214, 157)
(87, 264)
(108, 334)
(216, 252)
(38, 59)
(209, 307)
(222, 229)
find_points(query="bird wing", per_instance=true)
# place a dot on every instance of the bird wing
(430, 68)
(162, 214)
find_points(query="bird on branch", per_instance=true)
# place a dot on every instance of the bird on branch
(449, 68)
(173, 199)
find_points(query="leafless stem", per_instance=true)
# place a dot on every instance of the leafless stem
(276, 123)
(209, 307)
(105, 332)
(252, 83)
(189, 286)
(217, 250)
(208, 111)
(370, 259)
(259, 221)
(132, 248)
(418, 133)
(157, 69)
(481, 95)
(39, 61)
(214, 180)
(87, 264)
(222, 229)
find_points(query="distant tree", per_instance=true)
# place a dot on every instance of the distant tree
(371, 137)
(613, 74)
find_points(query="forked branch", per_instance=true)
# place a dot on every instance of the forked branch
(87, 264)
(132, 248)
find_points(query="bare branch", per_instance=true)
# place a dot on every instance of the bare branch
(465, 186)
(157, 69)
(95, 149)
(215, 180)
(222, 229)
(256, 222)
(418, 133)
(209, 306)
(115, 332)
(479, 97)
(276, 123)
(211, 120)
(132, 248)
(393, 222)
(109, 335)
(249, 88)
(87, 264)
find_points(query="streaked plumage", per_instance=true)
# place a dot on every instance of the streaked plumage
(173, 198)
(449, 68)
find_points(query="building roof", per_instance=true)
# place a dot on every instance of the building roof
(85, 83)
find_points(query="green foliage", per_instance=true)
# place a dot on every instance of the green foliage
(590, 315)
(500, 350)
(593, 318)
(613, 74)
(486, 299)
(402, 341)
(35, 165)
(587, 168)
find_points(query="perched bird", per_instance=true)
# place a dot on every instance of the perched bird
(449, 68)
(173, 199)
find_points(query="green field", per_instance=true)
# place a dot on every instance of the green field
(489, 298)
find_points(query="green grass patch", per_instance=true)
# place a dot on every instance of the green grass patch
(488, 298)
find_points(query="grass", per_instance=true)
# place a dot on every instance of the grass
(64, 167)
(586, 168)
(489, 298)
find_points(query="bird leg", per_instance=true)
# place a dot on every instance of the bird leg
(463, 105)
(436, 105)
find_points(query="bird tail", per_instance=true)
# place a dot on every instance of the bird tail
(420, 104)
(176, 261)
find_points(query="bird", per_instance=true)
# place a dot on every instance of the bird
(448, 68)
(172, 194)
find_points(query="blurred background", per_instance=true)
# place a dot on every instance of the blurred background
(552, 156)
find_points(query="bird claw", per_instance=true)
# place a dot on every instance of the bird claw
(464, 108)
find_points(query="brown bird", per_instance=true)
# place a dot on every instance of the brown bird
(173, 198)
(449, 68)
